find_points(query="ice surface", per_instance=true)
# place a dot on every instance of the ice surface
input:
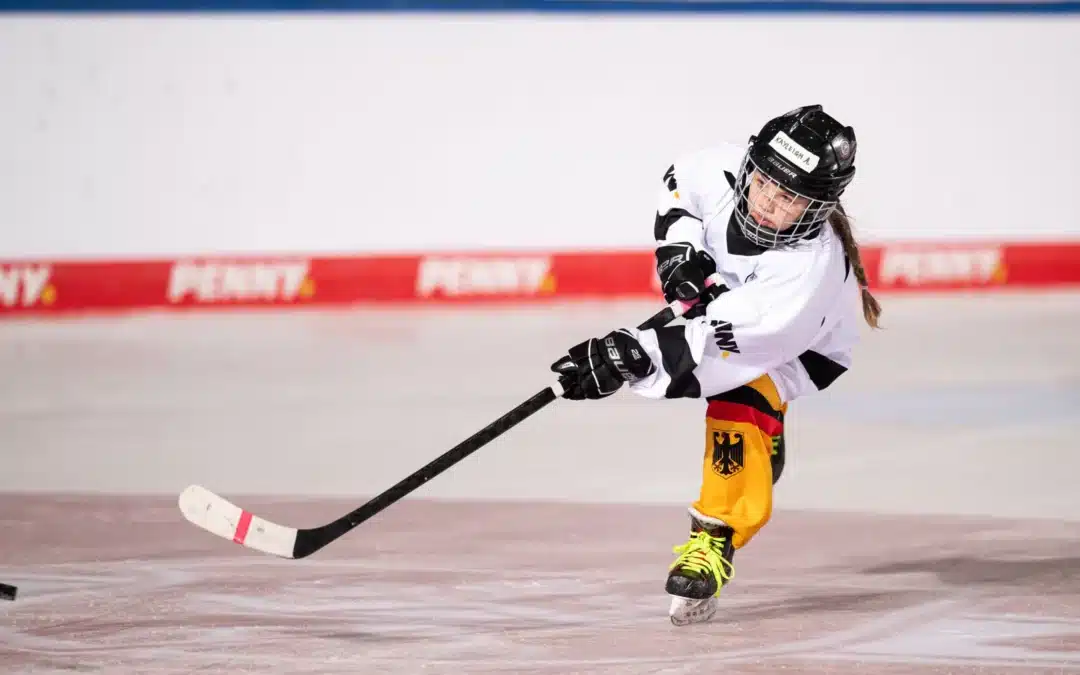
(927, 521)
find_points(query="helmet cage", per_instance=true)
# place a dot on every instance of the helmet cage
(804, 226)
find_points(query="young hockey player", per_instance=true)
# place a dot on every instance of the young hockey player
(767, 217)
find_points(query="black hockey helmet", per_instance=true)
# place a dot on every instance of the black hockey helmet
(806, 153)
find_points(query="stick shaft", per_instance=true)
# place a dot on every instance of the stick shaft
(311, 540)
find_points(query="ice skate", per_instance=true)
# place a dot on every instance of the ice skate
(697, 575)
(685, 611)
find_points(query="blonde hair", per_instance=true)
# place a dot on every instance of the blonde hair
(841, 224)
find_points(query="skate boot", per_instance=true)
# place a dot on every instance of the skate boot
(697, 575)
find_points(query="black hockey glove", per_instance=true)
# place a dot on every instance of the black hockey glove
(682, 271)
(598, 367)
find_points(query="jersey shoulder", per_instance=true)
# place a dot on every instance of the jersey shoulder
(820, 261)
(705, 166)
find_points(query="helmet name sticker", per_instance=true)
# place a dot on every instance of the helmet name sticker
(802, 157)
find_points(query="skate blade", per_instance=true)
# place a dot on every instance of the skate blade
(686, 611)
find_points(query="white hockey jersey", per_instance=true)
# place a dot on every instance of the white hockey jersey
(790, 313)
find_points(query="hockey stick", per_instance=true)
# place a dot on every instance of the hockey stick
(219, 516)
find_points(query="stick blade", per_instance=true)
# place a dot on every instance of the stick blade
(219, 516)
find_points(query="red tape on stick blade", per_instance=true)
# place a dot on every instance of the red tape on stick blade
(242, 527)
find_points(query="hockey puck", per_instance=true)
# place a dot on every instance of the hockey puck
(8, 592)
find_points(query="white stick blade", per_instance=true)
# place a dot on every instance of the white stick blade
(219, 516)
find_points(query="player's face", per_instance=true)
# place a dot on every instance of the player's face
(771, 205)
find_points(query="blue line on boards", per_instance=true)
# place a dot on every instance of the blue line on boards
(549, 6)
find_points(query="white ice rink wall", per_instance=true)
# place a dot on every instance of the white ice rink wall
(156, 133)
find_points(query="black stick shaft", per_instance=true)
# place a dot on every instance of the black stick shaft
(311, 540)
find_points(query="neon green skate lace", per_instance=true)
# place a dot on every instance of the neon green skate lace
(705, 553)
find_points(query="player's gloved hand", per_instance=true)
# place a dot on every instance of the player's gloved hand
(682, 270)
(598, 367)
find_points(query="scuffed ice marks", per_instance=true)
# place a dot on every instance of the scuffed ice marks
(402, 615)
(251, 614)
